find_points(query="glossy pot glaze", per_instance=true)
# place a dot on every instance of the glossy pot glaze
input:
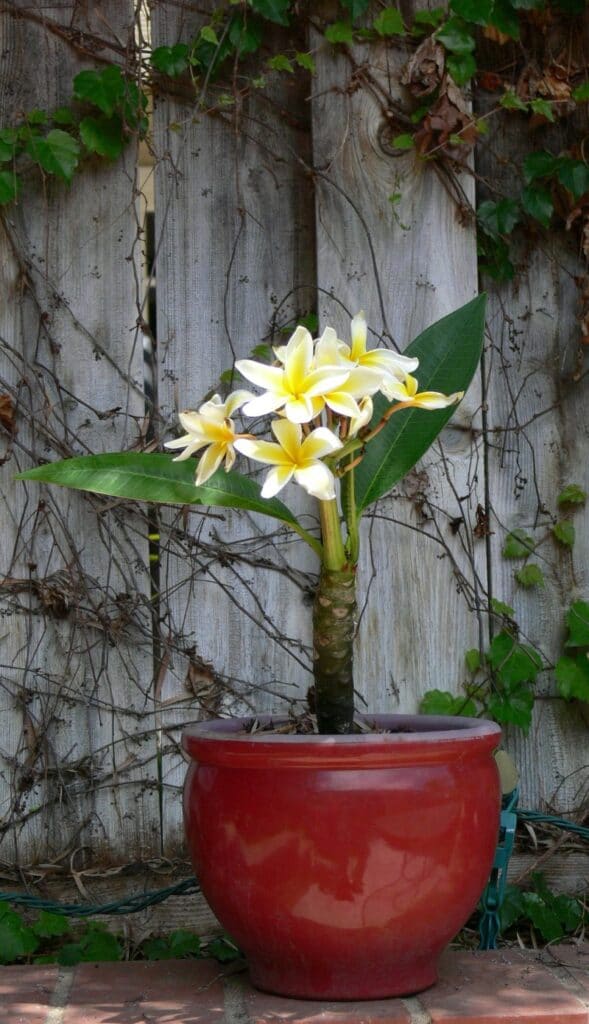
(342, 866)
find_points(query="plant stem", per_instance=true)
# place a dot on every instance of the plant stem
(334, 555)
(333, 650)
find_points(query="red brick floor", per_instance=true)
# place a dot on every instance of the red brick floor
(498, 987)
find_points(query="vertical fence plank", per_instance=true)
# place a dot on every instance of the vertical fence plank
(77, 759)
(406, 263)
(235, 267)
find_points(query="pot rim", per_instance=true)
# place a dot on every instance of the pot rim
(426, 739)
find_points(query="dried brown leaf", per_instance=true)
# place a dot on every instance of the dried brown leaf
(7, 414)
(424, 71)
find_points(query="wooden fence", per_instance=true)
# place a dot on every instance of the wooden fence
(278, 207)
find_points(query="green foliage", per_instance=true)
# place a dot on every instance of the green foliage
(473, 659)
(537, 203)
(574, 175)
(175, 946)
(105, 89)
(498, 218)
(572, 676)
(276, 11)
(552, 915)
(441, 702)
(280, 63)
(455, 37)
(339, 32)
(57, 153)
(223, 949)
(577, 620)
(389, 22)
(17, 940)
(171, 60)
(530, 575)
(477, 12)
(462, 67)
(500, 608)
(513, 662)
(403, 141)
(518, 544)
(9, 187)
(96, 944)
(103, 135)
(449, 353)
(572, 494)
(564, 532)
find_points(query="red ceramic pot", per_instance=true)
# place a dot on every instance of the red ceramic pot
(342, 866)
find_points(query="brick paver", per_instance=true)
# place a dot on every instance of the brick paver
(498, 987)
(26, 994)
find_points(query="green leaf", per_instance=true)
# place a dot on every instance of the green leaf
(209, 35)
(63, 115)
(504, 18)
(432, 17)
(512, 907)
(16, 938)
(403, 141)
(542, 107)
(246, 34)
(272, 10)
(511, 101)
(441, 702)
(104, 89)
(500, 608)
(498, 218)
(448, 353)
(572, 494)
(58, 153)
(514, 663)
(530, 575)
(581, 93)
(493, 253)
(171, 60)
(9, 187)
(339, 32)
(305, 60)
(540, 165)
(577, 619)
(518, 544)
(513, 705)
(96, 945)
(280, 63)
(49, 925)
(528, 5)
(537, 202)
(574, 175)
(355, 8)
(178, 944)
(462, 68)
(572, 676)
(156, 477)
(473, 659)
(455, 37)
(223, 949)
(103, 135)
(8, 143)
(389, 23)
(564, 532)
(542, 917)
(476, 11)
(37, 117)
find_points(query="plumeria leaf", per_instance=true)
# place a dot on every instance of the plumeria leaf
(448, 353)
(154, 477)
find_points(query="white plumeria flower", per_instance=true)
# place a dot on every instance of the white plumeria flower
(211, 427)
(357, 422)
(392, 365)
(362, 381)
(295, 456)
(298, 386)
(407, 393)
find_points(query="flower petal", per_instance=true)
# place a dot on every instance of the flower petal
(209, 462)
(316, 479)
(319, 443)
(436, 400)
(262, 451)
(358, 333)
(235, 401)
(289, 436)
(263, 404)
(356, 424)
(269, 377)
(342, 404)
(297, 360)
(276, 480)
(299, 410)
(325, 379)
(191, 422)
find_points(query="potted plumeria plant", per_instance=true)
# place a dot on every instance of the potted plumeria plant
(344, 860)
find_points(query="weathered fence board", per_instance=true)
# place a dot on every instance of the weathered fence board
(406, 264)
(77, 761)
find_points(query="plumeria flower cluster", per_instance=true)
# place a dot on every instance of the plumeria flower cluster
(321, 393)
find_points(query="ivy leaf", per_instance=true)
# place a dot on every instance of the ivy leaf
(499, 218)
(512, 906)
(104, 89)
(504, 19)
(339, 32)
(223, 949)
(581, 93)
(572, 676)
(442, 702)
(500, 608)
(514, 663)
(572, 494)
(428, 19)
(577, 619)
(49, 925)
(245, 35)
(280, 63)
(455, 37)
(179, 943)
(305, 60)
(574, 175)
(514, 705)
(518, 544)
(494, 258)
(389, 23)
(528, 5)
(537, 202)
(9, 187)
(96, 945)
(16, 938)
(473, 659)
(404, 141)
(476, 11)
(8, 141)
(511, 101)
(539, 165)
(171, 60)
(209, 35)
(462, 68)
(58, 153)
(530, 575)
(542, 917)
(542, 107)
(272, 10)
(355, 8)
(564, 532)
(103, 135)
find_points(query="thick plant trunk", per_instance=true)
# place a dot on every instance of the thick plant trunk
(334, 613)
